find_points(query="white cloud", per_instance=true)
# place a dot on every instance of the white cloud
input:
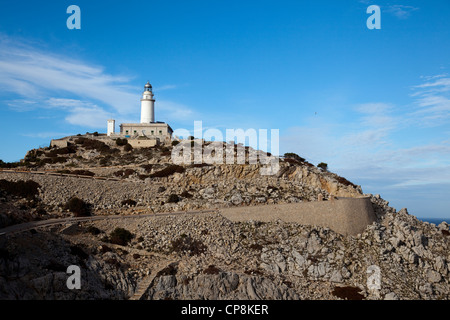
(81, 113)
(49, 80)
(432, 101)
(165, 87)
(46, 135)
(400, 11)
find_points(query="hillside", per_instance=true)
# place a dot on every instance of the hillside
(150, 181)
(200, 255)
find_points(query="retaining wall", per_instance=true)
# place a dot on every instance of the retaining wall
(347, 216)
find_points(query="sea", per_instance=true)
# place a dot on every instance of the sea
(436, 221)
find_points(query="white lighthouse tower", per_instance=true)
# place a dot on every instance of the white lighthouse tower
(147, 105)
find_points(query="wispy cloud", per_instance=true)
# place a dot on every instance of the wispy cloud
(85, 91)
(432, 101)
(46, 135)
(400, 11)
(166, 87)
(82, 113)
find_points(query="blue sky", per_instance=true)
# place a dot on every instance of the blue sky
(373, 104)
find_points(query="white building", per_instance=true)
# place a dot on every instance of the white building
(147, 133)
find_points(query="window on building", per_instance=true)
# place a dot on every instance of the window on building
(126, 131)
(160, 132)
(134, 131)
(153, 132)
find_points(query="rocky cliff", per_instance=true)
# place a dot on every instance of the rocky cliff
(204, 256)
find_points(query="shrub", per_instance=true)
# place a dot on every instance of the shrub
(9, 165)
(256, 246)
(78, 207)
(105, 161)
(55, 160)
(79, 252)
(147, 167)
(291, 155)
(136, 256)
(23, 189)
(290, 160)
(323, 166)
(345, 182)
(120, 236)
(128, 147)
(124, 173)
(189, 245)
(129, 202)
(82, 173)
(121, 142)
(348, 293)
(168, 171)
(170, 270)
(173, 198)
(61, 151)
(90, 144)
(95, 134)
(212, 269)
(186, 194)
(93, 230)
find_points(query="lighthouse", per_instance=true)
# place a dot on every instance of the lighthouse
(148, 133)
(147, 105)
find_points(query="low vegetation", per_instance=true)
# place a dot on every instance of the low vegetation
(128, 147)
(129, 202)
(120, 236)
(186, 244)
(291, 155)
(124, 173)
(93, 144)
(78, 172)
(212, 269)
(121, 142)
(323, 166)
(173, 198)
(23, 189)
(348, 293)
(78, 207)
(167, 171)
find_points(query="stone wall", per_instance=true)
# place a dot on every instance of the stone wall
(60, 143)
(141, 143)
(348, 216)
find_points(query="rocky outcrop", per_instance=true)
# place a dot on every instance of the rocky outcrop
(207, 187)
(219, 259)
(395, 257)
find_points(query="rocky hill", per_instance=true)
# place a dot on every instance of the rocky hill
(201, 256)
(150, 181)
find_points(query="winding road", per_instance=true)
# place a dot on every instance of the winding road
(50, 222)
